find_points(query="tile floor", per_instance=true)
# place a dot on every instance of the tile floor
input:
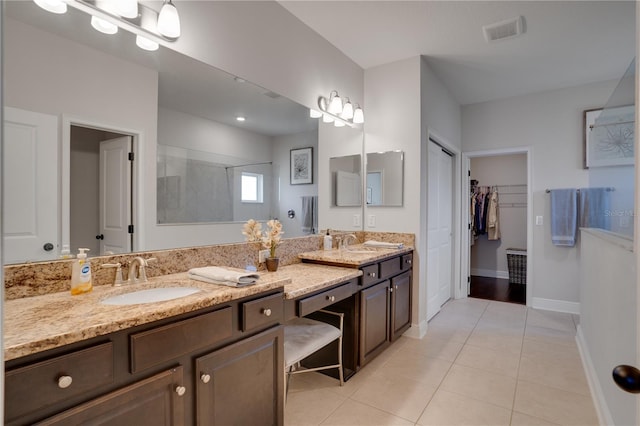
(481, 363)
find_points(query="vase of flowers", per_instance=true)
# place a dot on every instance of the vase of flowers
(270, 239)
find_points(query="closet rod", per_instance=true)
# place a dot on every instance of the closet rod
(609, 189)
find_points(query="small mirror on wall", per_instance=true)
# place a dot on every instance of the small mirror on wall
(346, 181)
(385, 178)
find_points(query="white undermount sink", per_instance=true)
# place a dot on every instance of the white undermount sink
(151, 295)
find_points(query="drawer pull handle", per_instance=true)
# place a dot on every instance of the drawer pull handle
(408, 261)
(372, 274)
(266, 312)
(180, 390)
(396, 287)
(205, 378)
(331, 298)
(64, 381)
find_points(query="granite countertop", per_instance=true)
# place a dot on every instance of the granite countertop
(35, 324)
(354, 256)
(39, 323)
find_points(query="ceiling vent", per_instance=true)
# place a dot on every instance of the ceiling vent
(503, 29)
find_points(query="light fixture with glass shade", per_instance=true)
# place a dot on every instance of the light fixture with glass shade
(332, 110)
(358, 115)
(326, 118)
(146, 44)
(314, 113)
(53, 6)
(347, 110)
(335, 103)
(126, 8)
(169, 20)
(339, 123)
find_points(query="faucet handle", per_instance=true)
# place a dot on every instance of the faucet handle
(142, 270)
(118, 281)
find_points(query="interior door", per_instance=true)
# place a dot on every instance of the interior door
(30, 193)
(115, 195)
(440, 211)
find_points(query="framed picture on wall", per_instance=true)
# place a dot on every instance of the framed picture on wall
(301, 166)
(609, 136)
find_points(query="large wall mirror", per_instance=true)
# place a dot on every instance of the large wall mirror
(385, 179)
(99, 97)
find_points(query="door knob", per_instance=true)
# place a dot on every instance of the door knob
(627, 378)
(48, 247)
(100, 237)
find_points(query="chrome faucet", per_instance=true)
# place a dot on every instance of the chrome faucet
(118, 280)
(346, 239)
(138, 265)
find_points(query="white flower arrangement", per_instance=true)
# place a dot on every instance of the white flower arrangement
(270, 238)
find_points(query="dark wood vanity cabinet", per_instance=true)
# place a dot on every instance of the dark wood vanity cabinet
(374, 320)
(217, 366)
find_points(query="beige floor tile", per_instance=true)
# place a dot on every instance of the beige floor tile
(496, 339)
(448, 408)
(485, 386)
(554, 405)
(519, 419)
(549, 350)
(549, 319)
(310, 407)
(500, 362)
(449, 331)
(550, 335)
(406, 365)
(565, 374)
(401, 397)
(433, 347)
(354, 413)
(311, 381)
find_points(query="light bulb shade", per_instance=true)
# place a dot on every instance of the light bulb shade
(358, 116)
(335, 104)
(338, 123)
(127, 8)
(347, 110)
(326, 118)
(314, 113)
(103, 26)
(53, 6)
(146, 44)
(169, 21)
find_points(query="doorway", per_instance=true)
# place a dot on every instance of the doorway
(498, 226)
(100, 190)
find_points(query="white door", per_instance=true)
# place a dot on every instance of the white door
(115, 195)
(30, 194)
(440, 211)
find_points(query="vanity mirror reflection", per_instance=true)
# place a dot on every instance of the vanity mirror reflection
(385, 178)
(346, 181)
(178, 116)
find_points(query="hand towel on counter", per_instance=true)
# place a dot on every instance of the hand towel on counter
(594, 208)
(381, 244)
(564, 216)
(223, 276)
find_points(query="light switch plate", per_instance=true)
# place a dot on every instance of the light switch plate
(356, 220)
(371, 221)
(262, 255)
(538, 220)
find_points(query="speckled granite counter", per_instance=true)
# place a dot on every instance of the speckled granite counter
(355, 256)
(306, 278)
(35, 324)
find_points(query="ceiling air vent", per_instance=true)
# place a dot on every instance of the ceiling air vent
(503, 29)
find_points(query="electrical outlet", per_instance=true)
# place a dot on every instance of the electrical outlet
(262, 255)
(371, 221)
(356, 220)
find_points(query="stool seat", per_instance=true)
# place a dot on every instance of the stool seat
(304, 336)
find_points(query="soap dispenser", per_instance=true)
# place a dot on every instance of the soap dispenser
(328, 241)
(81, 274)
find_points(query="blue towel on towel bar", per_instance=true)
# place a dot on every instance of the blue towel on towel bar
(564, 216)
(594, 206)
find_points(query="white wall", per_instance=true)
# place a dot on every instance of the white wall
(551, 124)
(489, 258)
(291, 195)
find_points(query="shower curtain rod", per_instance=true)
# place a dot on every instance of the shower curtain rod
(247, 165)
(609, 189)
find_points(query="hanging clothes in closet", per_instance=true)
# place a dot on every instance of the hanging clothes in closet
(485, 212)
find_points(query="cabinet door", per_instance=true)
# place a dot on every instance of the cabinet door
(400, 304)
(374, 321)
(242, 384)
(157, 400)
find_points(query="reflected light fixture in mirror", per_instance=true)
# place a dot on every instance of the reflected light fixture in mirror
(53, 6)
(169, 20)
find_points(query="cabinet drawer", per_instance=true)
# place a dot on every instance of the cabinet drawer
(390, 267)
(172, 341)
(262, 312)
(326, 298)
(36, 386)
(370, 274)
(406, 261)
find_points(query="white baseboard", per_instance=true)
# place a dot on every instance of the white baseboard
(490, 273)
(417, 331)
(604, 415)
(556, 305)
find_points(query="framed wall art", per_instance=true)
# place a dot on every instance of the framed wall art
(609, 136)
(301, 166)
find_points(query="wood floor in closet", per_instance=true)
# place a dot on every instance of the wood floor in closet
(498, 289)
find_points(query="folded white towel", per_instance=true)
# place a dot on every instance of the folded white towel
(223, 276)
(382, 244)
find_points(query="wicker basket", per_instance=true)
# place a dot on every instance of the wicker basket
(517, 263)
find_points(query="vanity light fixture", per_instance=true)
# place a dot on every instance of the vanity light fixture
(332, 110)
(53, 6)
(169, 20)
(107, 16)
